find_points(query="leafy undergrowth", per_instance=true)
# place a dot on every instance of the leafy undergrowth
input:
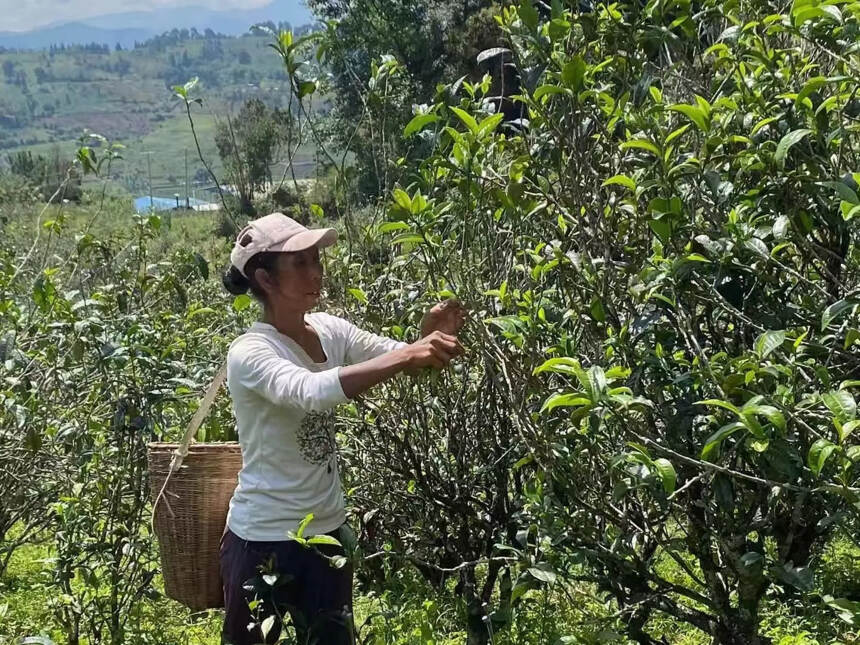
(408, 611)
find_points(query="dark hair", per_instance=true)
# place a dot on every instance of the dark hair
(237, 284)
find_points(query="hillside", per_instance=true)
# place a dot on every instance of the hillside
(49, 98)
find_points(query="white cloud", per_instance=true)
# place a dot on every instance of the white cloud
(23, 15)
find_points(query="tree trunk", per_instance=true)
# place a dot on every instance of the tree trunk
(476, 629)
(740, 628)
(737, 634)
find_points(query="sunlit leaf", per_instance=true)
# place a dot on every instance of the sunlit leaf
(467, 119)
(573, 72)
(419, 122)
(711, 450)
(768, 342)
(842, 404)
(667, 473)
(565, 401)
(620, 180)
(837, 309)
(324, 539)
(641, 144)
(695, 114)
(785, 144)
(819, 453)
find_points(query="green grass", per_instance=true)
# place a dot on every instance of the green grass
(25, 594)
(167, 146)
(408, 612)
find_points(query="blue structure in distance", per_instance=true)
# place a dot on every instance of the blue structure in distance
(142, 204)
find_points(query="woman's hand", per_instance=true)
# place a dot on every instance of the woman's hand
(434, 350)
(447, 317)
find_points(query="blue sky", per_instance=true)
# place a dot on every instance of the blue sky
(21, 15)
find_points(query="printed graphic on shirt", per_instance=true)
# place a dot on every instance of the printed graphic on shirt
(316, 437)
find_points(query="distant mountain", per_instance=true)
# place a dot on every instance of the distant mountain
(73, 33)
(126, 28)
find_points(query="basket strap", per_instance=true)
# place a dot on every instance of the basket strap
(182, 451)
(205, 405)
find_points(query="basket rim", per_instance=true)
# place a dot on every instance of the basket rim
(196, 446)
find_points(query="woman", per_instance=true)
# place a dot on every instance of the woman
(285, 375)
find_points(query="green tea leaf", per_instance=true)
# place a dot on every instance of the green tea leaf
(597, 311)
(640, 144)
(306, 88)
(842, 404)
(811, 86)
(242, 302)
(467, 119)
(836, 309)
(402, 199)
(846, 429)
(771, 413)
(338, 561)
(324, 539)
(358, 294)
(390, 227)
(780, 227)
(713, 443)
(266, 625)
(597, 382)
(721, 404)
(695, 114)
(768, 342)
(667, 474)
(848, 610)
(785, 144)
(574, 399)
(819, 454)
(620, 180)
(528, 14)
(304, 524)
(573, 73)
(488, 125)
(845, 192)
(419, 122)
(548, 90)
(544, 573)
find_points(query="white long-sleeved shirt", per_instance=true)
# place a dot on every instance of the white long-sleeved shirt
(283, 403)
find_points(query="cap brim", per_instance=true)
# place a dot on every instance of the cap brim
(317, 237)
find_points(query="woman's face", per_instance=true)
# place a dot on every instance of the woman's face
(298, 280)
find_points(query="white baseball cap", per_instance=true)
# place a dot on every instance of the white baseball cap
(277, 233)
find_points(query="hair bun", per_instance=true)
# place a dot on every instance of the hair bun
(235, 282)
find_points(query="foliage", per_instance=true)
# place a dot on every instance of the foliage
(248, 146)
(105, 346)
(16, 189)
(52, 177)
(429, 40)
(663, 258)
(654, 428)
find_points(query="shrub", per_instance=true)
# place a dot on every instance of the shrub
(662, 267)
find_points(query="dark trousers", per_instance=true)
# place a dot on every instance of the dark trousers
(283, 578)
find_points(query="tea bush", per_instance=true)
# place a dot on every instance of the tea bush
(661, 263)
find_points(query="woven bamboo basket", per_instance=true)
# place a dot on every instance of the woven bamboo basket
(189, 516)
